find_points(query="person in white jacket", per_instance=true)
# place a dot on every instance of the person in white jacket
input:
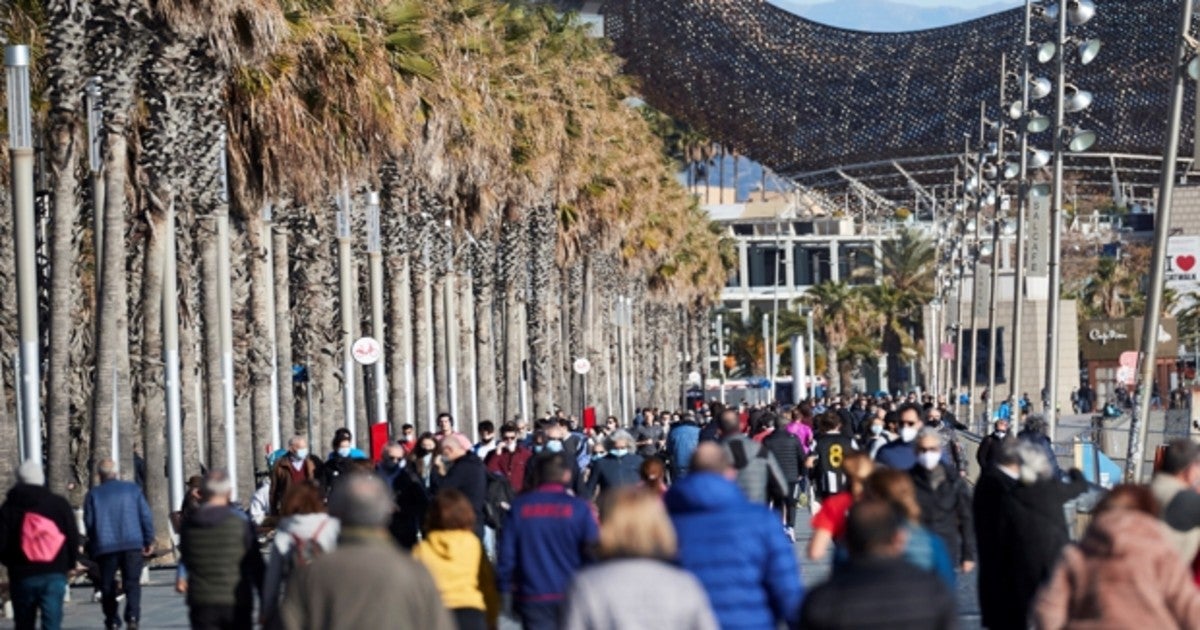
(304, 532)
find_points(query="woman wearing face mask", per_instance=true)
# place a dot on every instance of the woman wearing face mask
(875, 434)
(945, 500)
(421, 458)
(344, 450)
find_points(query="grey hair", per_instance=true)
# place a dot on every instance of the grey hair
(1035, 465)
(620, 435)
(216, 483)
(361, 501)
(295, 438)
(107, 469)
(1035, 423)
(930, 433)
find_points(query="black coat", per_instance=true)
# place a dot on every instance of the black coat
(467, 475)
(411, 500)
(990, 447)
(946, 511)
(1021, 530)
(788, 452)
(26, 498)
(880, 593)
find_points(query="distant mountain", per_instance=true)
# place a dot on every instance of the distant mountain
(886, 16)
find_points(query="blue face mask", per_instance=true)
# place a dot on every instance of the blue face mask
(344, 451)
(554, 446)
(619, 452)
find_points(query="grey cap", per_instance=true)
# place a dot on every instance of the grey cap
(31, 473)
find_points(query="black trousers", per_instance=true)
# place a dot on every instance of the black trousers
(215, 617)
(469, 619)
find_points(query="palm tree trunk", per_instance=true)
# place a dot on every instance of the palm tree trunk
(423, 333)
(247, 347)
(66, 42)
(467, 376)
(485, 348)
(152, 391)
(831, 366)
(214, 397)
(283, 337)
(441, 349)
(512, 259)
(541, 223)
(400, 344)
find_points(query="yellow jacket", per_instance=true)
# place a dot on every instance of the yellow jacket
(461, 571)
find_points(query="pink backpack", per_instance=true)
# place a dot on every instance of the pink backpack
(41, 539)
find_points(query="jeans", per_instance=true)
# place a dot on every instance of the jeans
(539, 616)
(130, 565)
(39, 592)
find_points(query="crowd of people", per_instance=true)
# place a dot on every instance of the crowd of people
(680, 520)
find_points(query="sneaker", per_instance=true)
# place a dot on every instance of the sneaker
(97, 596)
(791, 533)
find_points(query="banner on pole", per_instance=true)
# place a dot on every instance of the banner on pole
(1037, 242)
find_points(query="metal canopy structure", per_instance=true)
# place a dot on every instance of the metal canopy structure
(838, 110)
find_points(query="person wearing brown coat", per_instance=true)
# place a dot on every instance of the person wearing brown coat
(367, 582)
(1125, 573)
(297, 465)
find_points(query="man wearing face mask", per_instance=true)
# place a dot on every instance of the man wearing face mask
(296, 467)
(616, 469)
(899, 454)
(993, 443)
(953, 453)
(945, 500)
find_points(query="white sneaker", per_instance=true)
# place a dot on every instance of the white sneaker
(791, 533)
(97, 596)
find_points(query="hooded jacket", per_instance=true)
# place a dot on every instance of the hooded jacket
(1123, 574)
(461, 570)
(24, 499)
(738, 550)
(682, 440)
(319, 527)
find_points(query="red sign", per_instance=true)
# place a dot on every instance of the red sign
(948, 351)
(380, 436)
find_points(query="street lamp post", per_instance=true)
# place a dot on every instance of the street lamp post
(1162, 231)
(345, 297)
(225, 328)
(20, 145)
(375, 258)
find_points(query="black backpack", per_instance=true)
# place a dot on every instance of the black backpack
(498, 501)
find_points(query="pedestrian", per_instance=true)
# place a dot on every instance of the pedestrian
(1174, 487)
(39, 544)
(636, 585)
(423, 458)
(342, 445)
(461, 470)
(1035, 433)
(548, 537)
(343, 460)
(825, 463)
(1029, 528)
(487, 440)
(829, 523)
(736, 548)
(445, 426)
(219, 547)
(398, 471)
(455, 558)
(900, 454)
(945, 500)
(510, 457)
(994, 513)
(1124, 573)
(876, 588)
(876, 434)
(756, 470)
(991, 445)
(367, 581)
(304, 532)
(297, 467)
(923, 548)
(408, 437)
(120, 534)
(953, 453)
(653, 474)
(789, 453)
(620, 467)
(681, 443)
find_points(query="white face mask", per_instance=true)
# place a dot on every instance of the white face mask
(1001, 434)
(929, 460)
(908, 434)
(876, 429)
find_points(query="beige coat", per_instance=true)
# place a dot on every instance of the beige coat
(1125, 573)
(366, 583)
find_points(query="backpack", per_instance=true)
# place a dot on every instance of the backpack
(41, 540)
(305, 551)
(499, 498)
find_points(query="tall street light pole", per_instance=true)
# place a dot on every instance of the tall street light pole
(225, 328)
(170, 323)
(1001, 171)
(346, 299)
(1162, 231)
(375, 260)
(1014, 389)
(1053, 315)
(20, 145)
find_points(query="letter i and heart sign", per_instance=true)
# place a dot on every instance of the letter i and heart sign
(1182, 263)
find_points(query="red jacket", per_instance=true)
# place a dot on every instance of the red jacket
(511, 464)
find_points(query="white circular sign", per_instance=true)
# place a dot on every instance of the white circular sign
(366, 351)
(582, 366)
(694, 378)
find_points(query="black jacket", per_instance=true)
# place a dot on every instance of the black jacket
(989, 448)
(25, 498)
(611, 472)
(411, 500)
(995, 533)
(880, 593)
(467, 475)
(788, 453)
(946, 511)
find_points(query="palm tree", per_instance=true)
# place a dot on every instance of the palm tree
(907, 272)
(841, 313)
(1108, 289)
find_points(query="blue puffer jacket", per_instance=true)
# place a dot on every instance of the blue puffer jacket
(739, 552)
(117, 518)
(681, 443)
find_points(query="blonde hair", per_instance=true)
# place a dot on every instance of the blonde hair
(895, 487)
(635, 525)
(857, 466)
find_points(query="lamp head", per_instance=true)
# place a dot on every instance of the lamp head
(1089, 49)
(1080, 12)
(1077, 100)
(1039, 88)
(1080, 140)
(1046, 52)
(1037, 123)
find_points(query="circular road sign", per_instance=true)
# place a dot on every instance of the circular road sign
(366, 351)
(582, 366)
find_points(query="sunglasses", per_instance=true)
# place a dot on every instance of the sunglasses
(393, 459)
(910, 424)
(929, 450)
